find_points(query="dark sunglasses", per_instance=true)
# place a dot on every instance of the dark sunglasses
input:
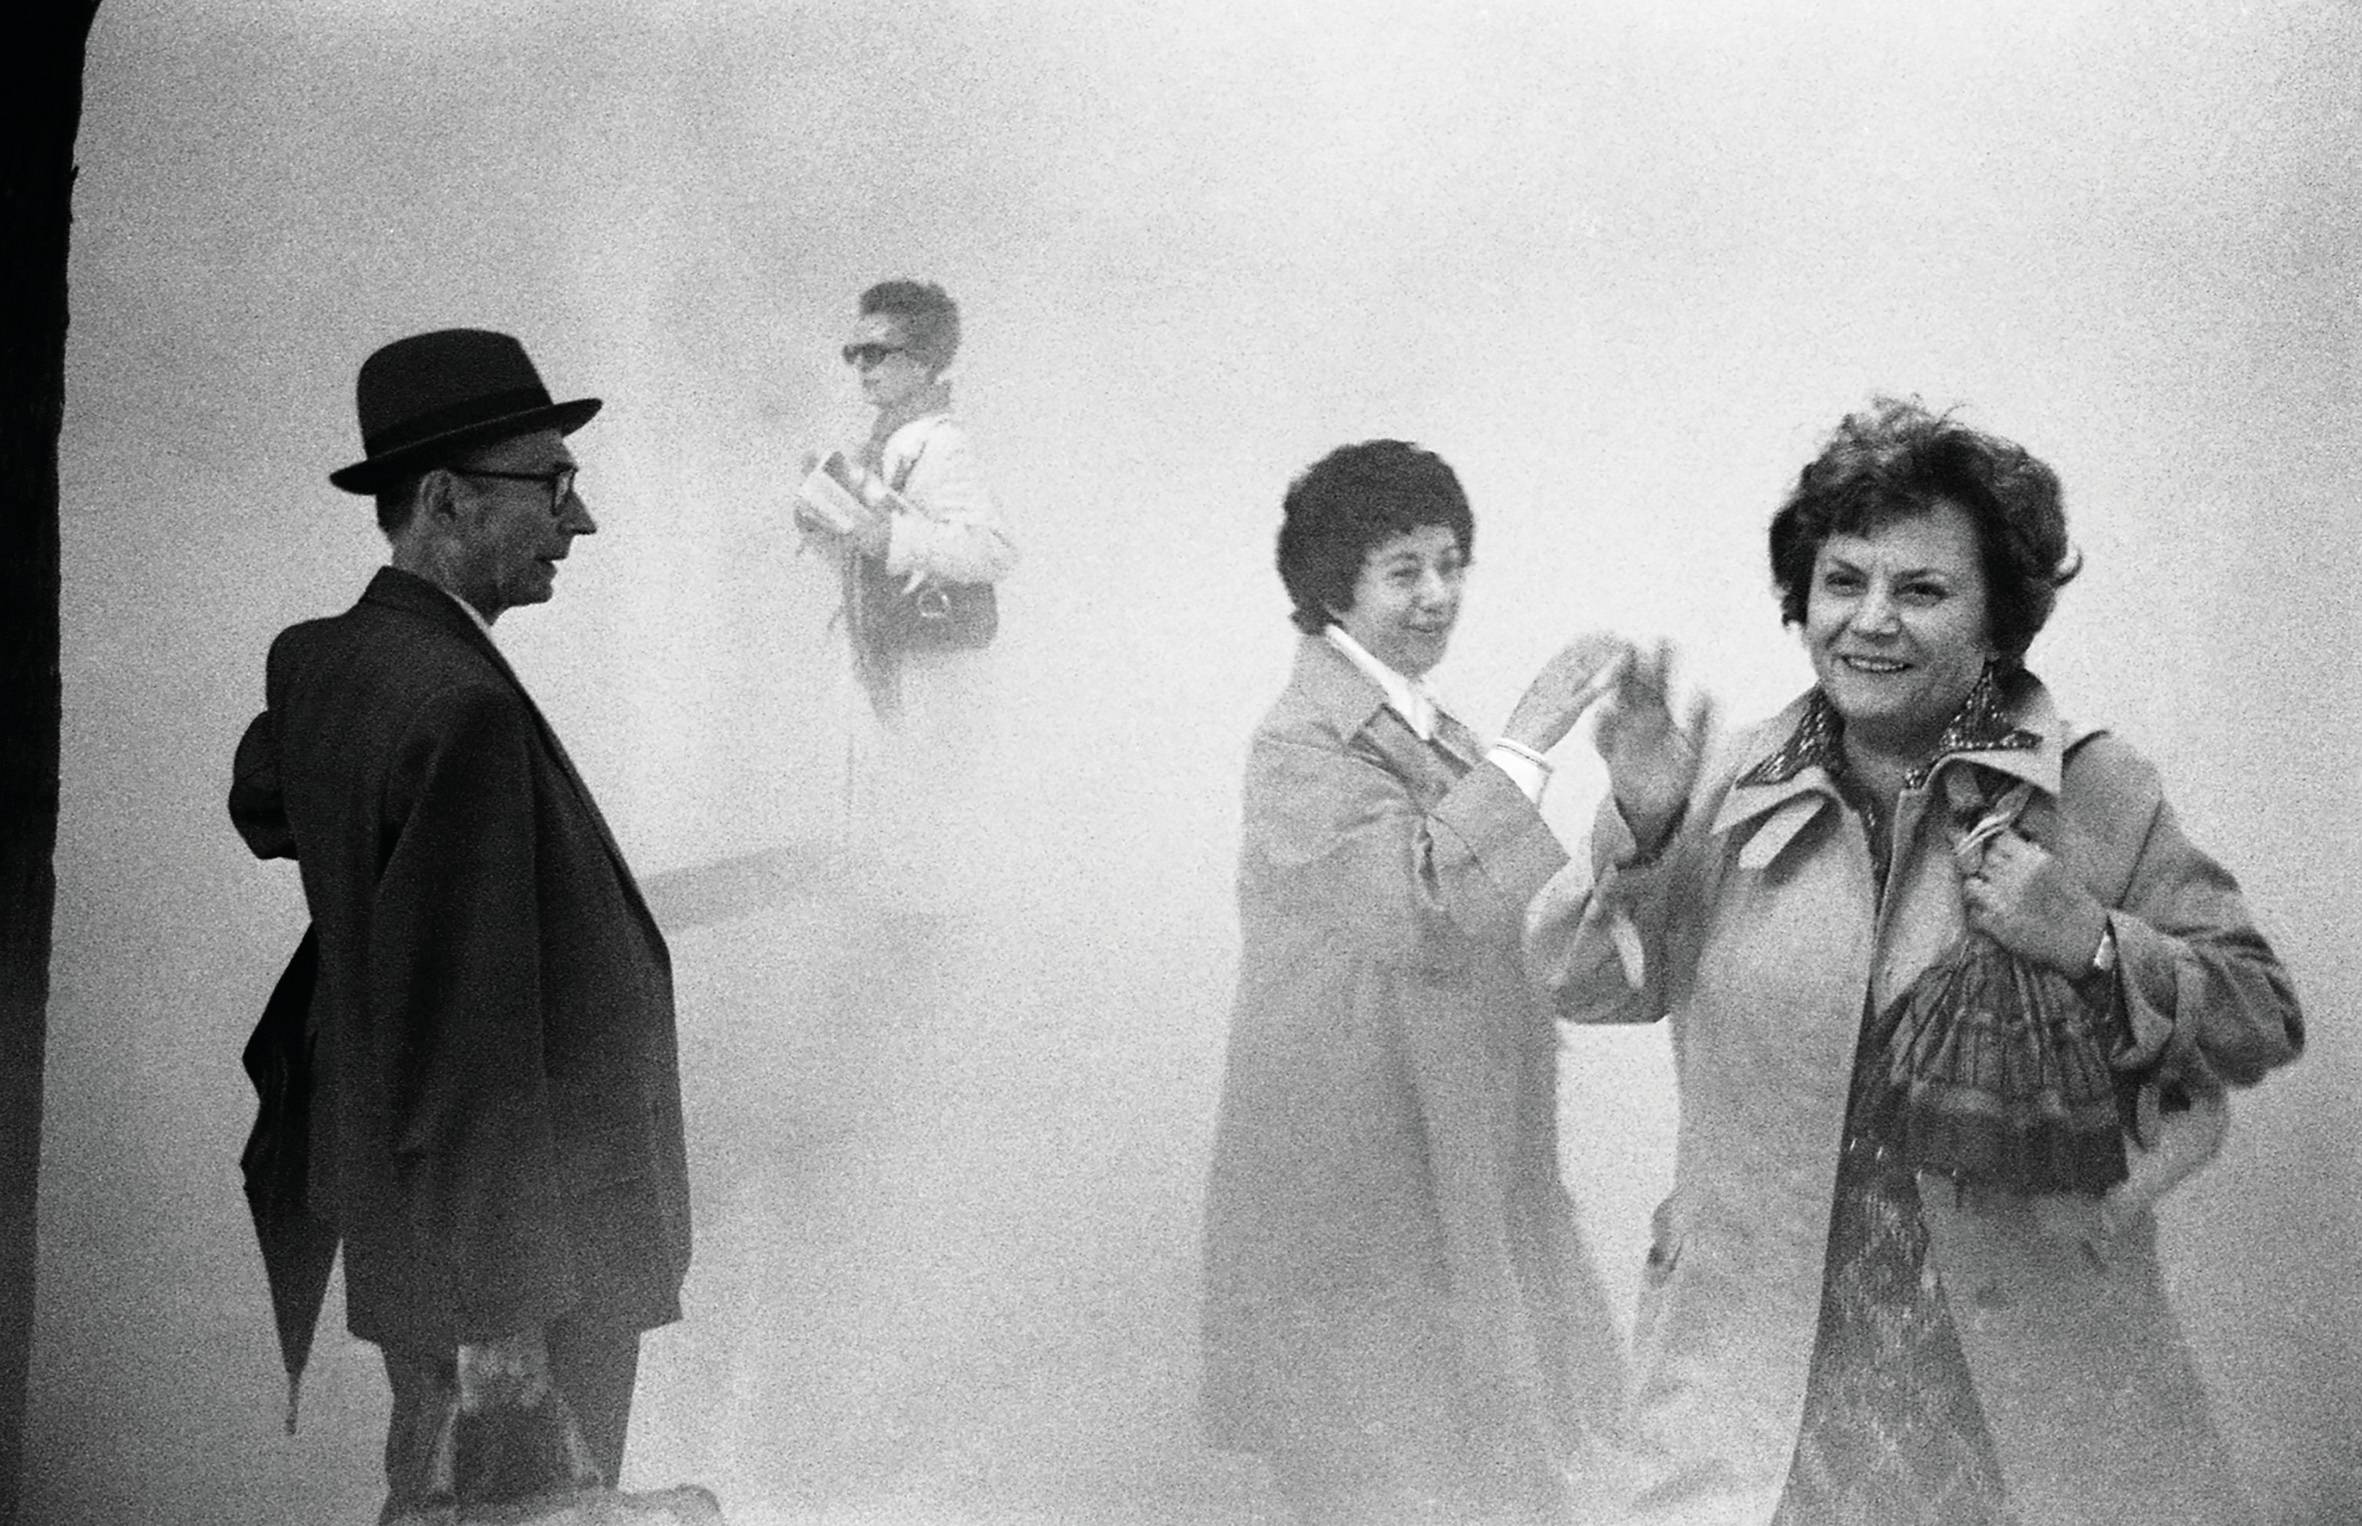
(867, 355)
(559, 482)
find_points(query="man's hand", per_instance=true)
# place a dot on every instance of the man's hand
(509, 1373)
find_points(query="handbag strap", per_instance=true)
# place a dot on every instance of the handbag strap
(1995, 817)
(901, 477)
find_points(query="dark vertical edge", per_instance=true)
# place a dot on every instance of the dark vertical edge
(41, 106)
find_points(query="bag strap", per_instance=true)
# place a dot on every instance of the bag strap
(902, 473)
(1998, 816)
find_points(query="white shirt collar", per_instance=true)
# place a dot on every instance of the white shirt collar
(1410, 698)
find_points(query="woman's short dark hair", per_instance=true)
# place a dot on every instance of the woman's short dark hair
(1896, 460)
(930, 319)
(1353, 499)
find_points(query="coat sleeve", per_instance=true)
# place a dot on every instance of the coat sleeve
(455, 980)
(958, 534)
(2205, 998)
(1602, 937)
(1346, 848)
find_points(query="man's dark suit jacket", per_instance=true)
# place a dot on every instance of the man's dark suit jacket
(496, 1118)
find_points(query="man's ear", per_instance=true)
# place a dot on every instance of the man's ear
(438, 497)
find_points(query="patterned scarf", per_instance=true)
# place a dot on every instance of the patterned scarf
(1990, 1068)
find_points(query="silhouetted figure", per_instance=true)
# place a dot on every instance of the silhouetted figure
(494, 1112)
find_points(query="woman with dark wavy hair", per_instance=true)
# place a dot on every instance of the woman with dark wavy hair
(1399, 1317)
(1954, 1001)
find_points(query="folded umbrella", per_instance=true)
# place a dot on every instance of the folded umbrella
(298, 1248)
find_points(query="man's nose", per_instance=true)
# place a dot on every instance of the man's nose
(576, 518)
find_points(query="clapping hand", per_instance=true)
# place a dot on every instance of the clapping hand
(1569, 684)
(1652, 759)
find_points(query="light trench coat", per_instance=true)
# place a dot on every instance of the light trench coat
(957, 534)
(1759, 930)
(1392, 1265)
(920, 815)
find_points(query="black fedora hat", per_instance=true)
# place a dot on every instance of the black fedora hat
(426, 398)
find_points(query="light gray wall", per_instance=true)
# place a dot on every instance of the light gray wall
(1622, 264)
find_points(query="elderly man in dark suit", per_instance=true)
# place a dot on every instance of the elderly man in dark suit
(493, 1125)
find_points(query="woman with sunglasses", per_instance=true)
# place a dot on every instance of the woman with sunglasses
(940, 531)
(919, 605)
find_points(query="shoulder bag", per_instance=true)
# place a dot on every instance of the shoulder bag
(933, 614)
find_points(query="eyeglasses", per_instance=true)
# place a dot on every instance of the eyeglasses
(559, 481)
(867, 355)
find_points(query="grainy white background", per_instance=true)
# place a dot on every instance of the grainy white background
(1622, 263)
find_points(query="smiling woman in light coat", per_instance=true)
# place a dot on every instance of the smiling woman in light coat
(1399, 1316)
(1908, 1271)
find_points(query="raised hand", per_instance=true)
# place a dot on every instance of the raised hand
(1652, 759)
(1569, 684)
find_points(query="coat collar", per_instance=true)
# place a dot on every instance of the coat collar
(407, 591)
(393, 588)
(1349, 700)
(1341, 693)
(2008, 726)
(1412, 698)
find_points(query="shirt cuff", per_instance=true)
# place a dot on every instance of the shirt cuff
(1529, 774)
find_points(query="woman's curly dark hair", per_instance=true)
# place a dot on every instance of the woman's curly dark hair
(1353, 499)
(1896, 460)
(930, 319)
